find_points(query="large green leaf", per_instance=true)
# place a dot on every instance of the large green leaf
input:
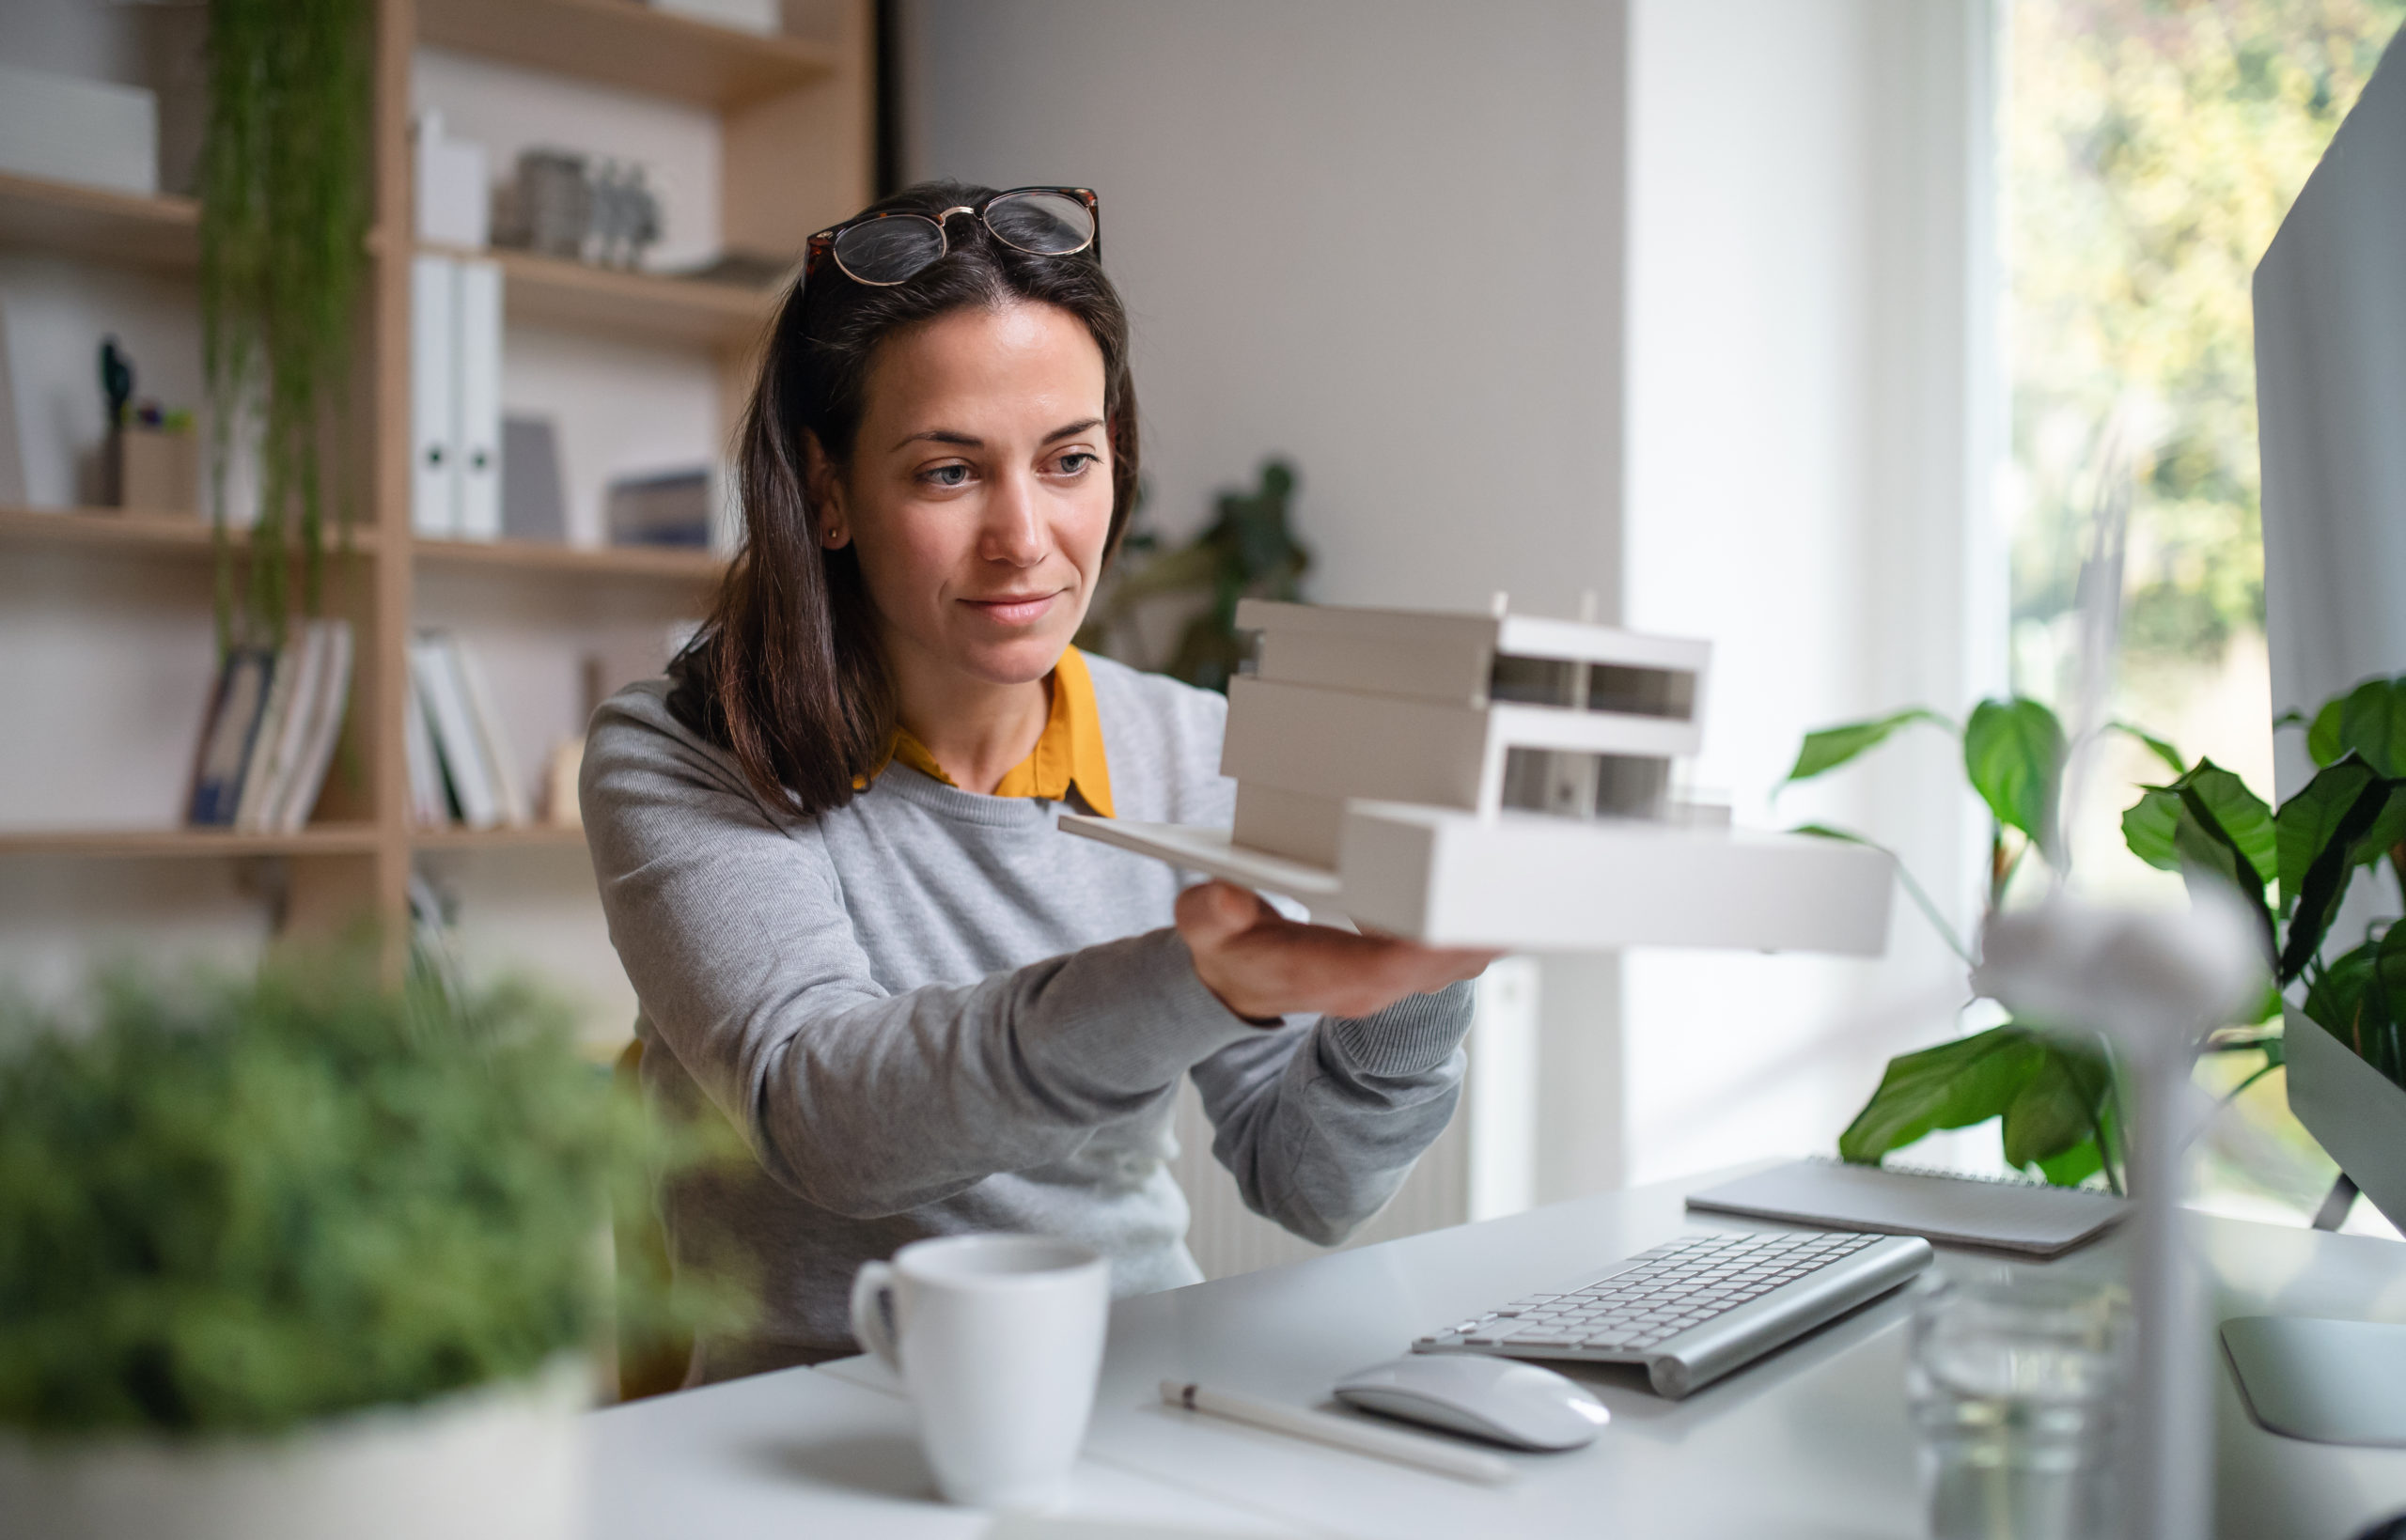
(2013, 751)
(2387, 829)
(2335, 995)
(2384, 1001)
(2211, 801)
(1830, 747)
(2372, 721)
(2056, 1109)
(2219, 800)
(2208, 821)
(2148, 826)
(2238, 812)
(2323, 841)
(2307, 820)
(2322, 735)
(1953, 1085)
(2074, 1166)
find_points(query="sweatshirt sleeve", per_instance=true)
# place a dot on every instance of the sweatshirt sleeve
(1320, 1124)
(732, 930)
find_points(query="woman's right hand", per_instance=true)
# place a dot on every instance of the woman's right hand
(1262, 965)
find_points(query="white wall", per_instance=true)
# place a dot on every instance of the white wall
(1380, 239)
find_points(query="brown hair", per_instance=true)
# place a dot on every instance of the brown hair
(785, 674)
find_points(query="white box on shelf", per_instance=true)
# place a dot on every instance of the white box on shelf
(477, 398)
(454, 187)
(765, 18)
(434, 483)
(73, 130)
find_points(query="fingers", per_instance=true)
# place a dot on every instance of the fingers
(1262, 965)
(1209, 914)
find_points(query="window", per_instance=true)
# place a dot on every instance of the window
(2152, 147)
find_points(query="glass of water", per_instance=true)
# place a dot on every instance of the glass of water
(2016, 1386)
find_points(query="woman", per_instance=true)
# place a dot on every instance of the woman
(826, 846)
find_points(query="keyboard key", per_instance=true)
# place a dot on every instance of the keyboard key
(1545, 1339)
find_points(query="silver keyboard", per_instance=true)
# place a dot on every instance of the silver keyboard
(1693, 1308)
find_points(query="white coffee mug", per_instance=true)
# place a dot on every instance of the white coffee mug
(999, 1339)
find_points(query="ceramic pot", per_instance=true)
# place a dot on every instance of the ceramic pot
(499, 1461)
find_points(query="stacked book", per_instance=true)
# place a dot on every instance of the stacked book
(270, 737)
(460, 767)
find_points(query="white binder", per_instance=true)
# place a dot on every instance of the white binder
(434, 491)
(477, 398)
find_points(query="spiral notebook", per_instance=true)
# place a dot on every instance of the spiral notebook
(2005, 1214)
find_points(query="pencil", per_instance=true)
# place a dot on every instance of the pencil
(1343, 1432)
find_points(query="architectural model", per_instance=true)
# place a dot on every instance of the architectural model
(1499, 779)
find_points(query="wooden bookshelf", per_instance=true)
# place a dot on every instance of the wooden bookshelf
(662, 562)
(318, 839)
(550, 291)
(114, 531)
(795, 116)
(68, 219)
(618, 42)
(527, 836)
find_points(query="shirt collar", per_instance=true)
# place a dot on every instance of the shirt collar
(1068, 754)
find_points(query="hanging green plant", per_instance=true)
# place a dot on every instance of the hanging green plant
(284, 187)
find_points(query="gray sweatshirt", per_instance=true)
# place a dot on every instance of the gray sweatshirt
(933, 1012)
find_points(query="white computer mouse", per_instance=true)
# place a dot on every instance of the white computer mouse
(1498, 1398)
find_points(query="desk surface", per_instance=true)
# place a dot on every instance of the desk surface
(1811, 1441)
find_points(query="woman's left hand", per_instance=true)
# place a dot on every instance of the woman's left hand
(1262, 965)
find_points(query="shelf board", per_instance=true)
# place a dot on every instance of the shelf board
(523, 836)
(77, 220)
(552, 291)
(616, 42)
(329, 839)
(180, 535)
(659, 563)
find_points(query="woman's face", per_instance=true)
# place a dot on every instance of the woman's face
(978, 495)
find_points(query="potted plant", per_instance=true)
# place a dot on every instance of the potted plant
(295, 1255)
(1248, 551)
(2292, 866)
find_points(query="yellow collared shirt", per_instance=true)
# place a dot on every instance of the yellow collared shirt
(1068, 754)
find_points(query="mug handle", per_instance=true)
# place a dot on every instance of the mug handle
(872, 1297)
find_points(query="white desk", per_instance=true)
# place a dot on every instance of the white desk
(1811, 1441)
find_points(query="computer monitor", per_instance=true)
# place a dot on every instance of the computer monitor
(2331, 404)
(2331, 401)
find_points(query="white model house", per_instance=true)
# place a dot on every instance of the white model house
(1499, 779)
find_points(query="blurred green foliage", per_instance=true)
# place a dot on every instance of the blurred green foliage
(1248, 551)
(2154, 147)
(233, 1204)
